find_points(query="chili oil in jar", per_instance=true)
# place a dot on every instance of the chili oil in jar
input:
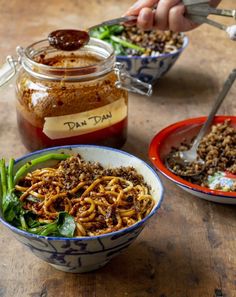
(68, 98)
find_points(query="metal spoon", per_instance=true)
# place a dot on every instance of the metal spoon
(186, 158)
(116, 21)
(70, 40)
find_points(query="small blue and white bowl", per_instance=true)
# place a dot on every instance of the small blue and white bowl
(150, 69)
(83, 254)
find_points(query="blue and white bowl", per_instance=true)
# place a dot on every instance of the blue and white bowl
(83, 254)
(150, 69)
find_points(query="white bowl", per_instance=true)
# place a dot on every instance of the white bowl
(84, 254)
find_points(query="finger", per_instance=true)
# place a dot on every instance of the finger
(137, 6)
(145, 19)
(177, 21)
(162, 13)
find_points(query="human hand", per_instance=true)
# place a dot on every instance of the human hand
(168, 15)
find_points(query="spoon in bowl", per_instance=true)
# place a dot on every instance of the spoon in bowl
(188, 163)
(71, 40)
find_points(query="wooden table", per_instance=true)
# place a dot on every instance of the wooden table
(189, 248)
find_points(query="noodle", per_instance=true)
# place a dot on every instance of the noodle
(100, 200)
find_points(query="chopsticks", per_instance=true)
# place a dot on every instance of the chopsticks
(204, 10)
(199, 10)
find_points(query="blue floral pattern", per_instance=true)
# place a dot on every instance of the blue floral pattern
(150, 69)
(79, 255)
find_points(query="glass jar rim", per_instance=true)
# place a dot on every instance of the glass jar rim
(42, 71)
(72, 74)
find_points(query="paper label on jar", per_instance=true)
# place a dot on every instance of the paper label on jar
(85, 122)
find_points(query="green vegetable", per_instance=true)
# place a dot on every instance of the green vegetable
(10, 182)
(23, 223)
(127, 44)
(3, 180)
(23, 170)
(66, 224)
(63, 226)
(107, 31)
(12, 207)
(110, 34)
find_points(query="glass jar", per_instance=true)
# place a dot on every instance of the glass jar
(71, 97)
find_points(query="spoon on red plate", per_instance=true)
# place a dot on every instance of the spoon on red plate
(188, 163)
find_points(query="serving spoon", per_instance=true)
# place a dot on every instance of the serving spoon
(197, 10)
(70, 40)
(190, 157)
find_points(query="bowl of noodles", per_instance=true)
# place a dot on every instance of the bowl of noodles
(77, 207)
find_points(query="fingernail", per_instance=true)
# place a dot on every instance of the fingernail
(144, 16)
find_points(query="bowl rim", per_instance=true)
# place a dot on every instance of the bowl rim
(156, 160)
(88, 238)
(164, 55)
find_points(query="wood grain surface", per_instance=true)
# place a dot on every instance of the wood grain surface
(189, 248)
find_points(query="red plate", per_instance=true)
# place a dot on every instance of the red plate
(173, 135)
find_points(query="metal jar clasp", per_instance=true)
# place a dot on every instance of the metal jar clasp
(8, 70)
(10, 67)
(131, 84)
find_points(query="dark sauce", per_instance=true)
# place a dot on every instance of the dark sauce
(68, 39)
